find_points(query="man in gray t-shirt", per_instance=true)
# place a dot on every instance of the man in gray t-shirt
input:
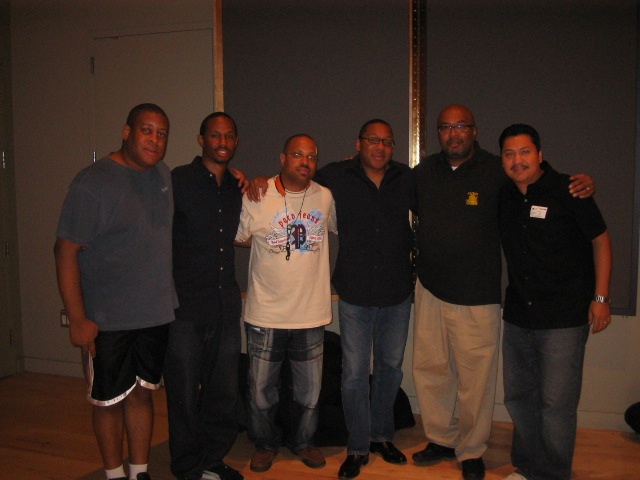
(113, 262)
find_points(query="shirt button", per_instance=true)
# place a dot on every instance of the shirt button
(221, 268)
(219, 210)
(222, 249)
(529, 303)
(221, 229)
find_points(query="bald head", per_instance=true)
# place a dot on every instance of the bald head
(459, 112)
(457, 133)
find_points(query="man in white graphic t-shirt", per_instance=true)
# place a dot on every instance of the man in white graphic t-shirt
(288, 300)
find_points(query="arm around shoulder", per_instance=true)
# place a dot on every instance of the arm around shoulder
(244, 244)
(257, 188)
(582, 186)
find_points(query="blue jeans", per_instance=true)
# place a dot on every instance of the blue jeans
(267, 348)
(542, 384)
(370, 418)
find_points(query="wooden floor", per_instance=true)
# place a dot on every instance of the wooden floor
(46, 434)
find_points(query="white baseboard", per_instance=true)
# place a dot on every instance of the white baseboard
(586, 419)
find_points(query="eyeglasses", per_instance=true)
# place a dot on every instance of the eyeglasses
(387, 142)
(462, 128)
(311, 157)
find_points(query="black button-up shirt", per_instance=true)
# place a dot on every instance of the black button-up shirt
(205, 222)
(458, 241)
(373, 267)
(549, 253)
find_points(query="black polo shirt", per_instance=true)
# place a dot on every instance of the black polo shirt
(459, 257)
(373, 267)
(205, 222)
(546, 237)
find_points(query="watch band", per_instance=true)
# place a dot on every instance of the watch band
(601, 299)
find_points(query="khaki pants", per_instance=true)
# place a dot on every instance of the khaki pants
(455, 363)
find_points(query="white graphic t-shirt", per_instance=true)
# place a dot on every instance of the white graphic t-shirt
(289, 284)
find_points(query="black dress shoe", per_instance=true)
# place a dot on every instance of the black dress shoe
(389, 452)
(473, 469)
(433, 453)
(222, 471)
(351, 466)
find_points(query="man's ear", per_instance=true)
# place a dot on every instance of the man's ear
(126, 130)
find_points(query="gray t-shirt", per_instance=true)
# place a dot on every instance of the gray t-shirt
(123, 217)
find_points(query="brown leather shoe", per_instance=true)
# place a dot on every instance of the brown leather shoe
(312, 457)
(262, 460)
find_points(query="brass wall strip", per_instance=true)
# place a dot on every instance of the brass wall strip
(417, 93)
(218, 63)
(417, 79)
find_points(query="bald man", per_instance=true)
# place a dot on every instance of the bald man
(457, 297)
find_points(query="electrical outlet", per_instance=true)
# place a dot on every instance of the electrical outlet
(64, 320)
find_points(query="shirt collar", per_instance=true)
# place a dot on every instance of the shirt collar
(204, 175)
(356, 165)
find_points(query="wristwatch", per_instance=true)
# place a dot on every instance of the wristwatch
(601, 299)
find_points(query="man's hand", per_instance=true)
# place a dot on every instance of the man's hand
(582, 186)
(599, 316)
(243, 182)
(83, 332)
(258, 188)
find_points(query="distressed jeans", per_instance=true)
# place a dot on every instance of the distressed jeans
(383, 330)
(267, 349)
(542, 383)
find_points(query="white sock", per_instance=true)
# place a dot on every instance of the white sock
(115, 473)
(134, 470)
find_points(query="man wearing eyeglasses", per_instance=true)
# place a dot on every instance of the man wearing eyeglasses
(457, 297)
(288, 301)
(373, 278)
(373, 195)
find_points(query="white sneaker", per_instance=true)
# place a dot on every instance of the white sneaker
(515, 476)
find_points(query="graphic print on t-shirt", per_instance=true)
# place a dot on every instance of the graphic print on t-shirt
(304, 232)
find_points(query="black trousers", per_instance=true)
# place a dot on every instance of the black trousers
(201, 380)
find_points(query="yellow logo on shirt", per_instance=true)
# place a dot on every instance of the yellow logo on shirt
(472, 199)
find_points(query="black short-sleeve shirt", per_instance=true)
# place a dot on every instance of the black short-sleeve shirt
(546, 236)
(459, 257)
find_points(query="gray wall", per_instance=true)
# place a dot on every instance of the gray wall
(52, 94)
(322, 68)
(570, 72)
(52, 113)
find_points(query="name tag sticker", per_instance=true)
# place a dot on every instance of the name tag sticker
(538, 212)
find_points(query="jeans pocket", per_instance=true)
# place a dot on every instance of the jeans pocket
(257, 340)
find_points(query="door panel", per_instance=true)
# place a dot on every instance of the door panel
(171, 69)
